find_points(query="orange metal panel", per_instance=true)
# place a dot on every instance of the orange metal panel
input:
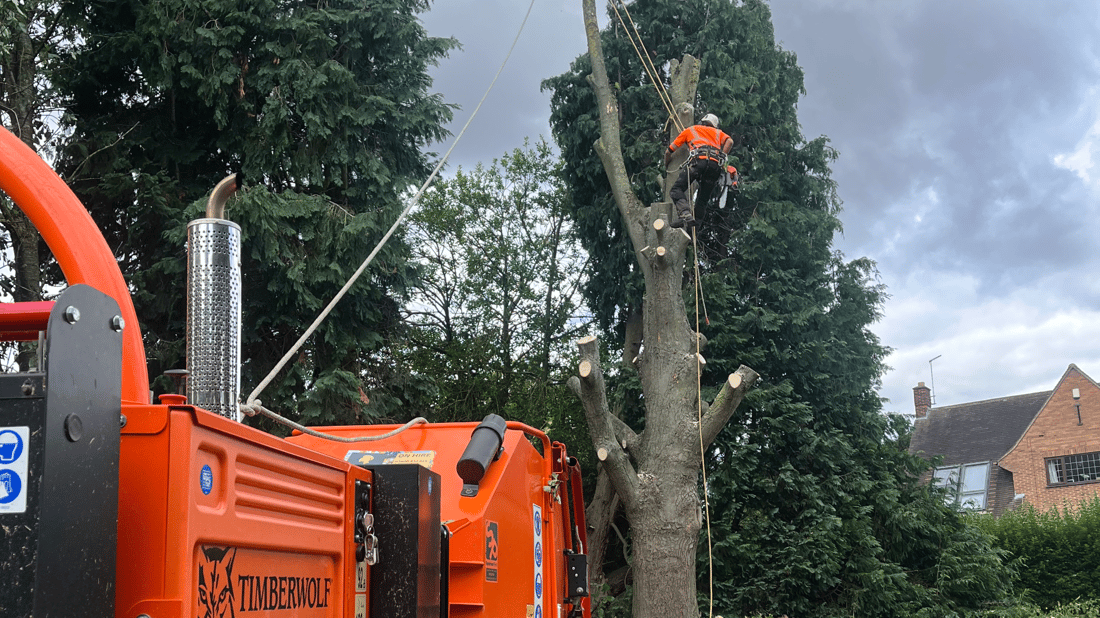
(216, 515)
(507, 542)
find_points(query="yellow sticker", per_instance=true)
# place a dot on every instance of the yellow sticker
(385, 458)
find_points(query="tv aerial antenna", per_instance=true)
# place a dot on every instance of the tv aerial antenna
(932, 378)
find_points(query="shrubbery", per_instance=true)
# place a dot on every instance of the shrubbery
(1058, 553)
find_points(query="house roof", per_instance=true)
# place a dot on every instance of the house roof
(977, 431)
(1072, 369)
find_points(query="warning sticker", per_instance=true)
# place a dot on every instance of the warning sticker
(385, 458)
(492, 550)
(14, 455)
(537, 537)
(361, 577)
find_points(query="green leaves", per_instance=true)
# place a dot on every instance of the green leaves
(1058, 550)
(328, 120)
(497, 304)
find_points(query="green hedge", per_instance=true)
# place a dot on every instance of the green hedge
(1058, 553)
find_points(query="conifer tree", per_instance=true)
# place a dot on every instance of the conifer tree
(815, 510)
(325, 109)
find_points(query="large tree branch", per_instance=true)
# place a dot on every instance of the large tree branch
(608, 146)
(683, 82)
(598, 515)
(726, 402)
(590, 388)
(625, 435)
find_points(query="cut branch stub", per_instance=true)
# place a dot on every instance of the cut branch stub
(592, 391)
(734, 380)
(727, 401)
(585, 369)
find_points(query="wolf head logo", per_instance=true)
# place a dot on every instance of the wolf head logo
(216, 582)
(491, 542)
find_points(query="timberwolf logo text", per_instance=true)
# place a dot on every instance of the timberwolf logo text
(217, 594)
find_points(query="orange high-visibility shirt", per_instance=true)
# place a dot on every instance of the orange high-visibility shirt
(700, 135)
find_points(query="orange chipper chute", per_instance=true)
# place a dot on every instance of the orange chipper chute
(76, 242)
(135, 509)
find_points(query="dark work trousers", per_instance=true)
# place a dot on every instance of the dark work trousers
(704, 171)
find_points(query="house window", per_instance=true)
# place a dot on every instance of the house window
(1067, 469)
(966, 484)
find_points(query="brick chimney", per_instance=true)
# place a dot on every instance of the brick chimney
(922, 399)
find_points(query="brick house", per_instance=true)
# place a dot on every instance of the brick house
(1040, 448)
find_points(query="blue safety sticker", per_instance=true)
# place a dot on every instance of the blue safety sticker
(206, 480)
(14, 457)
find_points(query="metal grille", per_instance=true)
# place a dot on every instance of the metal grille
(214, 316)
(1081, 468)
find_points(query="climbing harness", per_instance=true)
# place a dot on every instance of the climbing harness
(706, 153)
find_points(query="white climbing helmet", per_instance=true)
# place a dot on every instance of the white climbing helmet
(711, 120)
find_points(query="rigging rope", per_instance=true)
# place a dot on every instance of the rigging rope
(252, 405)
(667, 102)
(647, 64)
(699, 412)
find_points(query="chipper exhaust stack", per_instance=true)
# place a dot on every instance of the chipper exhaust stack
(214, 306)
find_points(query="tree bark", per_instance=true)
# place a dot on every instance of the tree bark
(598, 516)
(21, 102)
(655, 473)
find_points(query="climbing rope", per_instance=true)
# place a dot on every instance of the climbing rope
(257, 408)
(667, 102)
(252, 405)
(647, 64)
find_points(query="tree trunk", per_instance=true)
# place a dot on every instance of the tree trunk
(659, 495)
(598, 515)
(664, 555)
(21, 102)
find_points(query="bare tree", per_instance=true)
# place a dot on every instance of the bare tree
(653, 474)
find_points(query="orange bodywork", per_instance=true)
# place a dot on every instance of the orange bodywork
(194, 484)
(521, 513)
(218, 519)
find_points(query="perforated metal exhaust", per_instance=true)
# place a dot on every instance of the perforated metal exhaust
(214, 307)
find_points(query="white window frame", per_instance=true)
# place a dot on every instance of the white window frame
(951, 477)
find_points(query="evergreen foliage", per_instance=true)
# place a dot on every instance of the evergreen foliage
(815, 509)
(326, 111)
(1058, 550)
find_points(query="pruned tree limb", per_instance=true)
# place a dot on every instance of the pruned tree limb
(609, 147)
(598, 516)
(625, 435)
(683, 82)
(590, 388)
(726, 402)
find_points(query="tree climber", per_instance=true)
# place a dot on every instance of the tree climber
(706, 163)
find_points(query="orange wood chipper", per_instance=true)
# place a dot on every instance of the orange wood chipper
(113, 505)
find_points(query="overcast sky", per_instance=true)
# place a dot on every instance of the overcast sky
(968, 135)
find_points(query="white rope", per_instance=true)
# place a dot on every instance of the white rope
(257, 408)
(247, 407)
